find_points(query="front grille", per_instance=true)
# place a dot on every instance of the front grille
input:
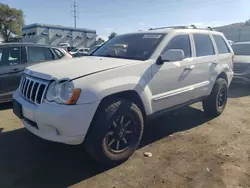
(33, 89)
(240, 67)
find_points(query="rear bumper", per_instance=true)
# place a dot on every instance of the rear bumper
(230, 75)
(59, 123)
(241, 78)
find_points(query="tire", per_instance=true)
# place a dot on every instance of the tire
(215, 104)
(115, 120)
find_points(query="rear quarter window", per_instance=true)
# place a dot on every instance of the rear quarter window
(58, 53)
(221, 44)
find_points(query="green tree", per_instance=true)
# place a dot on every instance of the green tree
(100, 40)
(11, 21)
(112, 35)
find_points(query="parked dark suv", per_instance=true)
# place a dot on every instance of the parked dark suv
(15, 57)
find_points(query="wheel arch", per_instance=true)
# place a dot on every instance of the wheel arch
(130, 95)
(223, 75)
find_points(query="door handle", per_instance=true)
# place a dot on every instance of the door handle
(191, 67)
(214, 63)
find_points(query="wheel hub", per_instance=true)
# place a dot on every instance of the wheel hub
(117, 138)
(221, 98)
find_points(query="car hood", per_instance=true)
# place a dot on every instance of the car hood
(76, 67)
(241, 59)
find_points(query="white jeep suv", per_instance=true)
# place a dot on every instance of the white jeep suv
(104, 99)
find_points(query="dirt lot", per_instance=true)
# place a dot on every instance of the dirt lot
(188, 150)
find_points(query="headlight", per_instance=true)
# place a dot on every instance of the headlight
(63, 93)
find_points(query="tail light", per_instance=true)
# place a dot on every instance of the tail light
(68, 53)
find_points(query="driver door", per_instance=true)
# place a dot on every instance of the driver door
(172, 82)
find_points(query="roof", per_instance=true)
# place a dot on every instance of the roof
(12, 44)
(168, 30)
(35, 25)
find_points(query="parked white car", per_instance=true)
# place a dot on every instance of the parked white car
(78, 52)
(104, 100)
(242, 62)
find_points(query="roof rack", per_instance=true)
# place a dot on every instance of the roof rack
(172, 27)
(210, 28)
(181, 27)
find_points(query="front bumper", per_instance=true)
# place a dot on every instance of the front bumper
(59, 123)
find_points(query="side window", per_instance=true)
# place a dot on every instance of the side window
(181, 42)
(10, 56)
(81, 50)
(221, 44)
(58, 53)
(39, 54)
(203, 45)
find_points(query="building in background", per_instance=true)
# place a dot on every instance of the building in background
(55, 35)
(237, 32)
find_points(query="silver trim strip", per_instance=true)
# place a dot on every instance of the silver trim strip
(38, 87)
(26, 94)
(179, 91)
(26, 82)
(33, 84)
(29, 83)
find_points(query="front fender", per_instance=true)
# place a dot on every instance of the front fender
(98, 91)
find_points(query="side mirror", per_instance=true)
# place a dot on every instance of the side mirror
(172, 55)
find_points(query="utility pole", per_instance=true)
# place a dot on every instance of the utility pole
(240, 32)
(74, 6)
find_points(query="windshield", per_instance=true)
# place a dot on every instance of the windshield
(241, 49)
(131, 46)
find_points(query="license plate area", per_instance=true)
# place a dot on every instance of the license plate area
(17, 109)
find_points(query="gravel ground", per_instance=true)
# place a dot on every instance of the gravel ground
(188, 150)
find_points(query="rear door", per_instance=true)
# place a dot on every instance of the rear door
(205, 59)
(11, 69)
(225, 56)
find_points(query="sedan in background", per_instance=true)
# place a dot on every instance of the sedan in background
(78, 52)
(242, 62)
(15, 57)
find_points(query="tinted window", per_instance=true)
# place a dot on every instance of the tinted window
(58, 53)
(241, 49)
(39, 54)
(221, 44)
(181, 42)
(203, 45)
(10, 56)
(131, 46)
